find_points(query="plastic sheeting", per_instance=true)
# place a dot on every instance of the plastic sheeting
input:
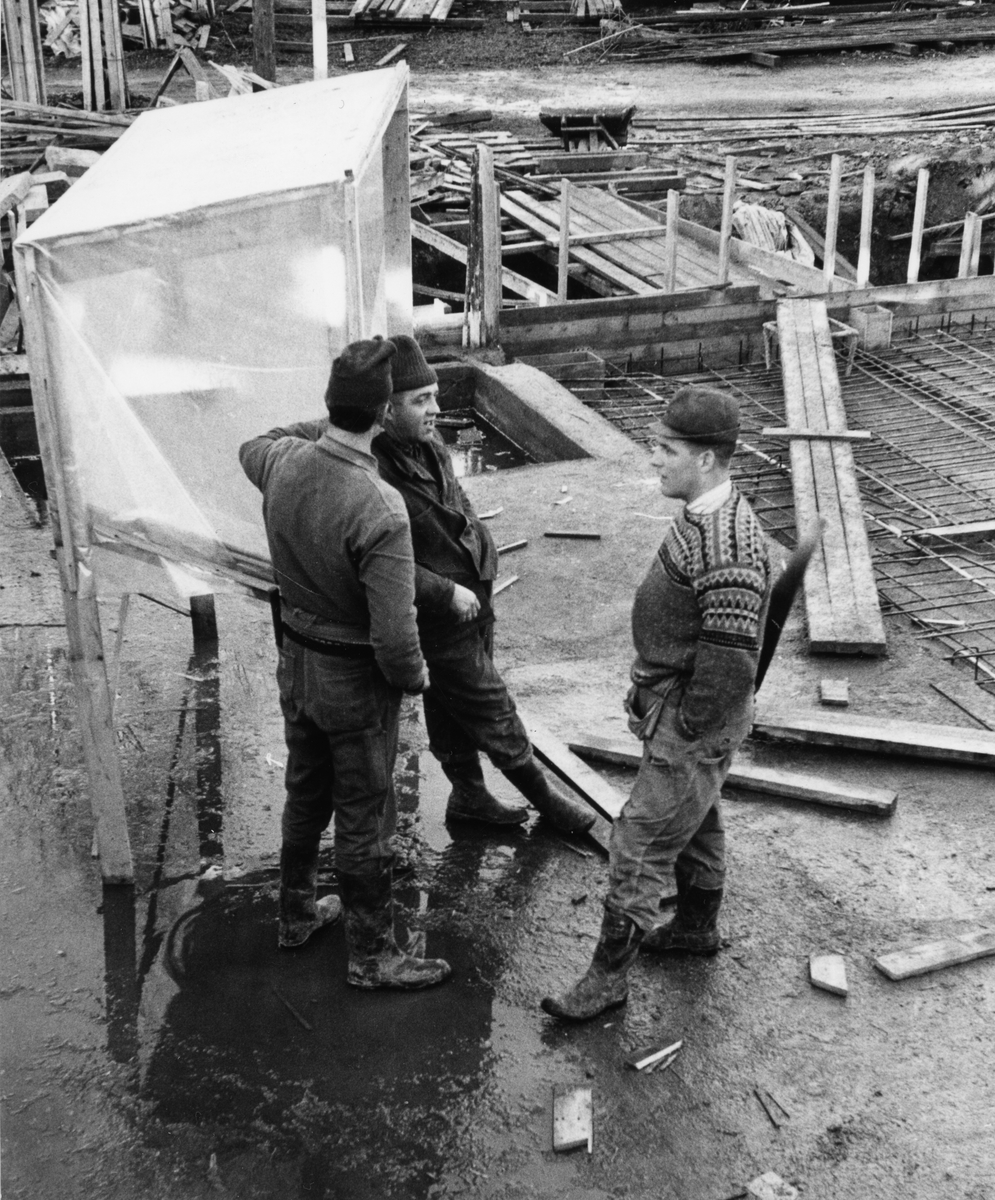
(193, 289)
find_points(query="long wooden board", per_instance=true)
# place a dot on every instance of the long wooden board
(934, 956)
(554, 754)
(768, 781)
(841, 600)
(510, 279)
(879, 735)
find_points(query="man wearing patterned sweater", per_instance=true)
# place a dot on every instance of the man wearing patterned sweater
(697, 625)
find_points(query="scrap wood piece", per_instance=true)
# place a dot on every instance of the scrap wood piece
(841, 599)
(770, 1186)
(935, 956)
(584, 535)
(391, 54)
(14, 190)
(768, 781)
(654, 1055)
(588, 784)
(573, 1118)
(841, 435)
(834, 693)
(879, 735)
(828, 972)
(503, 585)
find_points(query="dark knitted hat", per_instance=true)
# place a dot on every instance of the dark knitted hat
(700, 414)
(411, 371)
(361, 375)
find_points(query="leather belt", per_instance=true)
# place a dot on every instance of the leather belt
(336, 649)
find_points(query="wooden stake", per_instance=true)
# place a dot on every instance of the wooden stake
(673, 218)
(966, 245)
(263, 39)
(114, 53)
(866, 224)
(15, 51)
(725, 231)
(319, 36)
(975, 259)
(563, 273)
(31, 43)
(832, 220)
(918, 224)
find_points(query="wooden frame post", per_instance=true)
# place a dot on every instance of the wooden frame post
(355, 315)
(918, 225)
(482, 315)
(264, 39)
(866, 226)
(397, 218)
(725, 230)
(832, 220)
(319, 36)
(673, 234)
(79, 594)
(970, 247)
(563, 259)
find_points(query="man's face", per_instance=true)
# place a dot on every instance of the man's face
(412, 414)
(680, 466)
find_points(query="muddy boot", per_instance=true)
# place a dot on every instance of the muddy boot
(555, 806)
(375, 959)
(603, 985)
(471, 801)
(693, 929)
(300, 913)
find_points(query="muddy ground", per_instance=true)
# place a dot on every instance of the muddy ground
(157, 1045)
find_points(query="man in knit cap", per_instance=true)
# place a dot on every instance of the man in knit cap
(341, 549)
(697, 625)
(467, 706)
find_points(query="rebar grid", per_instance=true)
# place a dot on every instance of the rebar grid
(929, 402)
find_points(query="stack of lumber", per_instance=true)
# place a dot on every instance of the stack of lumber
(764, 36)
(563, 12)
(401, 10)
(26, 130)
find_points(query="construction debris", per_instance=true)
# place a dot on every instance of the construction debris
(935, 956)
(573, 1118)
(652, 1057)
(828, 972)
(770, 1186)
(834, 693)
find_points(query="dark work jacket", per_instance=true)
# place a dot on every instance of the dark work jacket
(451, 544)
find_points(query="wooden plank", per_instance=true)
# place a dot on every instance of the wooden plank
(725, 228)
(319, 39)
(969, 531)
(114, 49)
(510, 279)
(866, 224)
(879, 735)
(834, 693)
(768, 781)
(442, 9)
(824, 435)
(14, 190)
(573, 1118)
(15, 51)
(563, 247)
(263, 38)
(588, 784)
(828, 972)
(918, 224)
(935, 956)
(832, 220)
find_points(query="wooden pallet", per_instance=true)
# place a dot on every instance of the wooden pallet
(841, 599)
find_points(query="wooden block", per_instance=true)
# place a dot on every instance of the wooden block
(573, 1118)
(935, 956)
(828, 971)
(769, 781)
(347, 54)
(910, 49)
(770, 1186)
(760, 59)
(834, 693)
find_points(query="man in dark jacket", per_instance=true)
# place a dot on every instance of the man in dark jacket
(341, 549)
(467, 705)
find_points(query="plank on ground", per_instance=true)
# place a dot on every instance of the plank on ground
(934, 956)
(828, 972)
(557, 756)
(769, 781)
(879, 735)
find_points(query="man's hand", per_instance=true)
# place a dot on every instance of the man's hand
(464, 603)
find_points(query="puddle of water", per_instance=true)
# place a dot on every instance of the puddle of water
(475, 445)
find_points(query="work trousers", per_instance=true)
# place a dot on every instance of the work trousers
(467, 705)
(673, 815)
(341, 725)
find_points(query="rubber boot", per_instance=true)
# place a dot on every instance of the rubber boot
(604, 984)
(301, 914)
(375, 959)
(556, 807)
(694, 928)
(471, 801)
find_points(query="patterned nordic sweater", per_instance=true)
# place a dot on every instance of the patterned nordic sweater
(698, 616)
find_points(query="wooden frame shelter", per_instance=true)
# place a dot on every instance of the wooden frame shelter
(191, 290)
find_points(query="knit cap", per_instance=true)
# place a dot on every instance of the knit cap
(361, 375)
(699, 414)
(411, 371)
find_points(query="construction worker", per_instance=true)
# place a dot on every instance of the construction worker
(467, 706)
(697, 625)
(341, 549)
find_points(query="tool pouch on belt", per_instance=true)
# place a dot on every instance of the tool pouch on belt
(644, 708)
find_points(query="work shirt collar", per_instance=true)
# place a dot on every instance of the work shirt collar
(339, 443)
(712, 500)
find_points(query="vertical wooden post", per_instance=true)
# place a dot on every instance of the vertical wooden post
(866, 226)
(975, 260)
(490, 245)
(725, 230)
(918, 224)
(397, 217)
(673, 233)
(15, 51)
(563, 262)
(966, 245)
(355, 316)
(114, 53)
(319, 36)
(92, 9)
(79, 593)
(203, 619)
(263, 39)
(86, 52)
(30, 34)
(832, 221)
